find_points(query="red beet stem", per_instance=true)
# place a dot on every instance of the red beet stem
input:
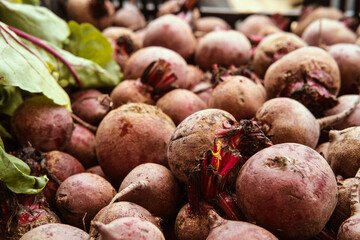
(227, 204)
(40, 43)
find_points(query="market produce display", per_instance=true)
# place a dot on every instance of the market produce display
(115, 124)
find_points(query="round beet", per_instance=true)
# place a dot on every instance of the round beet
(160, 194)
(327, 32)
(343, 153)
(309, 75)
(178, 104)
(194, 135)
(222, 229)
(315, 14)
(59, 166)
(171, 32)
(90, 105)
(224, 48)
(239, 96)
(98, 171)
(193, 226)
(141, 59)
(56, 231)
(132, 134)
(98, 13)
(124, 42)
(82, 146)
(42, 124)
(210, 23)
(287, 120)
(130, 91)
(272, 48)
(129, 16)
(119, 210)
(81, 196)
(256, 25)
(347, 56)
(129, 228)
(295, 195)
(194, 75)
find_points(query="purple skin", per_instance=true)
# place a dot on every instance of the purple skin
(222, 229)
(82, 146)
(90, 105)
(41, 123)
(300, 184)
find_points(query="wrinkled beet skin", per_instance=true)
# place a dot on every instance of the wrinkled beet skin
(82, 146)
(296, 194)
(42, 124)
(192, 136)
(191, 226)
(132, 134)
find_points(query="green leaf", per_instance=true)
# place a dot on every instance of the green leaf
(31, 2)
(15, 173)
(20, 67)
(35, 20)
(88, 42)
(2, 143)
(91, 75)
(10, 99)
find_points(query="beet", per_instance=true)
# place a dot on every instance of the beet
(59, 166)
(350, 228)
(327, 32)
(90, 105)
(224, 48)
(124, 139)
(82, 146)
(130, 91)
(56, 231)
(193, 226)
(42, 124)
(347, 56)
(178, 104)
(129, 16)
(272, 48)
(296, 194)
(192, 136)
(22, 213)
(344, 151)
(119, 210)
(344, 102)
(222, 229)
(169, 26)
(140, 60)
(161, 193)
(239, 96)
(81, 196)
(128, 228)
(309, 75)
(97, 170)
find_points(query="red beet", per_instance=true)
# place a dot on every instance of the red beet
(295, 195)
(42, 124)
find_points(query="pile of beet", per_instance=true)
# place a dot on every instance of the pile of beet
(215, 132)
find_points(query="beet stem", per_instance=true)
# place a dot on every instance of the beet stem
(90, 127)
(135, 185)
(332, 119)
(226, 203)
(40, 43)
